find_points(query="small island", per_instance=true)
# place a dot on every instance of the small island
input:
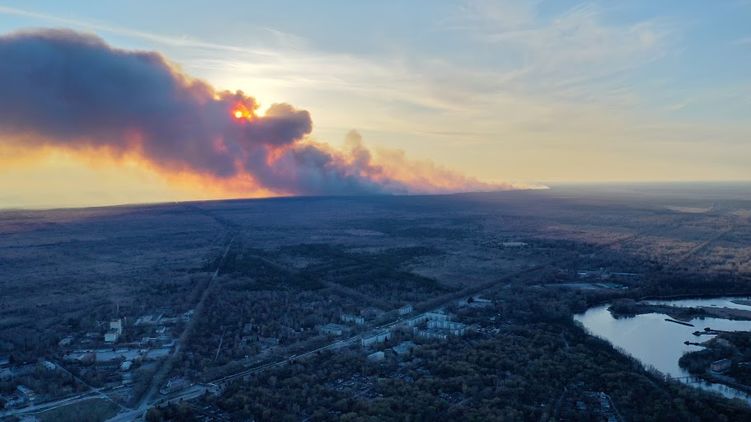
(626, 308)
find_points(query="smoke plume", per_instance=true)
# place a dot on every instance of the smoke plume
(64, 89)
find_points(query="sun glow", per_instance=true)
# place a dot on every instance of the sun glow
(238, 114)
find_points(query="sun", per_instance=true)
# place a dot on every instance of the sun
(238, 114)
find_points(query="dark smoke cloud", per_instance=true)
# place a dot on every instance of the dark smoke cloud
(71, 90)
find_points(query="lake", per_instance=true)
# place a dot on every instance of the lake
(658, 344)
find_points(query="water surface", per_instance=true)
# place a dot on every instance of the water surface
(658, 344)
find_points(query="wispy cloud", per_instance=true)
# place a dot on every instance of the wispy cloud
(266, 34)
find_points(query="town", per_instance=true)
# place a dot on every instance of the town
(248, 310)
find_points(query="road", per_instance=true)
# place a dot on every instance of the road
(148, 398)
(92, 393)
(158, 378)
(43, 407)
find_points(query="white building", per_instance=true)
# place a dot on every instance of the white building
(353, 318)
(149, 319)
(404, 348)
(451, 327)
(433, 334)
(376, 357)
(332, 329)
(115, 331)
(437, 316)
(406, 309)
(111, 336)
(371, 339)
(117, 325)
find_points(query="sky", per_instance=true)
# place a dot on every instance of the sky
(498, 93)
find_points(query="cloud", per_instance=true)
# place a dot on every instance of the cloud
(70, 90)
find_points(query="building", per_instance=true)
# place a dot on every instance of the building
(174, 384)
(49, 365)
(437, 316)
(353, 318)
(451, 327)
(376, 357)
(111, 336)
(413, 322)
(115, 331)
(371, 312)
(433, 334)
(188, 315)
(332, 329)
(721, 365)
(125, 366)
(26, 393)
(404, 348)
(370, 339)
(406, 309)
(117, 325)
(149, 319)
(514, 244)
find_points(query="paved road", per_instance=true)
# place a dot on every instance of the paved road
(42, 407)
(158, 378)
(148, 399)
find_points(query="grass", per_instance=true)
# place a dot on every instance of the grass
(93, 410)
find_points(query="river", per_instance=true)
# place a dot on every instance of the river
(658, 344)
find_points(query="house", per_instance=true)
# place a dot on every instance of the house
(49, 365)
(375, 338)
(721, 365)
(406, 309)
(332, 329)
